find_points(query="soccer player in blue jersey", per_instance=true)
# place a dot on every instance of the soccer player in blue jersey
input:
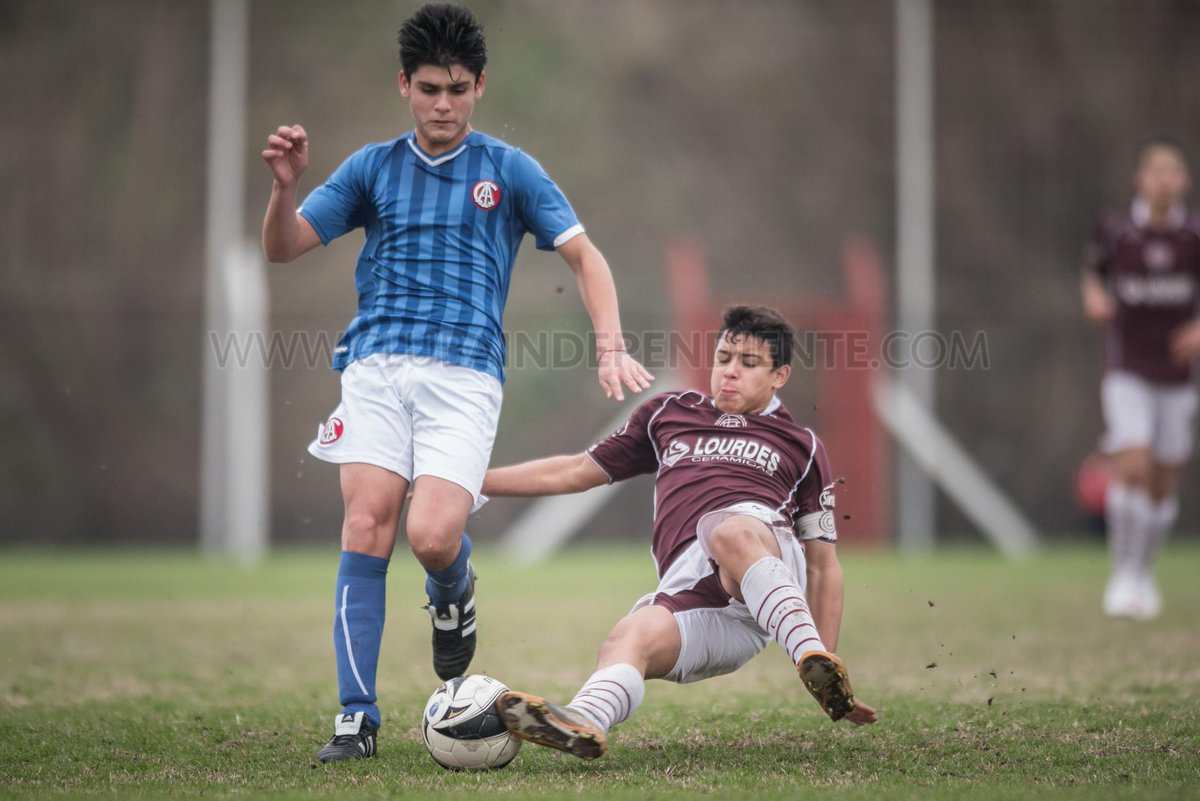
(444, 209)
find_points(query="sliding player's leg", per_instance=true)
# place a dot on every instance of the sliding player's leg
(644, 644)
(765, 570)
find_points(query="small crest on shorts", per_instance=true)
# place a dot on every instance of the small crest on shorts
(486, 194)
(331, 431)
(731, 421)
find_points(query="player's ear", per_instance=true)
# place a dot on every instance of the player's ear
(402, 82)
(781, 376)
(479, 82)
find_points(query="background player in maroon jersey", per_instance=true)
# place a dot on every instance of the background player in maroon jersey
(1141, 270)
(743, 542)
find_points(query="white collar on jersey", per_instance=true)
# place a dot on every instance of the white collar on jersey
(442, 159)
(771, 407)
(1139, 210)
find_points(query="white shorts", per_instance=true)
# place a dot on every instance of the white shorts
(717, 633)
(1138, 414)
(415, 416)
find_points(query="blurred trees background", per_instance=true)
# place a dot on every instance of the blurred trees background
(762, 127)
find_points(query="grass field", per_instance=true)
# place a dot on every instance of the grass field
(159, 675)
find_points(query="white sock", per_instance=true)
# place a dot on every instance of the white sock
(1162, 517)
(773, 596)
(610, 695)
(1129, 514)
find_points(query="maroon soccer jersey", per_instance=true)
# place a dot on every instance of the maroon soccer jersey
(707, 460)
(1153, 276)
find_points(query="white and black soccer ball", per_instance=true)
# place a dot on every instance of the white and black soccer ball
(462, 729)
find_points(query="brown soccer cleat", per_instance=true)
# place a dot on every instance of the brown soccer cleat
(825, 678)
(543, 723)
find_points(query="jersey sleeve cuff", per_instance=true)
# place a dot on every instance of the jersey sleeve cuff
(597, 463)
(567, 235)
(315, 225)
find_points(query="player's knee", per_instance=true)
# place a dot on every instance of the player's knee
(1133, 468)
(365, 532)
(1163, 487)
(729, 539)
(434, 546)
(1134, 473)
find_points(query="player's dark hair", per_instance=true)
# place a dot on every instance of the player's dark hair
(764, 324)
(442, 35)
(1162, 141)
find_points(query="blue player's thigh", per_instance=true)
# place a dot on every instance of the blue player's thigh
(454, 411)
(370, 425)
(373, 498)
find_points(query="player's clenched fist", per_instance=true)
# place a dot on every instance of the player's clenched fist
(287, 153)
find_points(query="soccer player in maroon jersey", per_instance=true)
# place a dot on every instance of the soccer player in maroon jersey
(743, 542)
(1140, 275)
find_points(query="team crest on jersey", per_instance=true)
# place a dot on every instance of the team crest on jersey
(675, 451)
(331, 432)
(486, 194)
(731, 421)
(1158, 255)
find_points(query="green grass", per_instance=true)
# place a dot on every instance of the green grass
(161, 675)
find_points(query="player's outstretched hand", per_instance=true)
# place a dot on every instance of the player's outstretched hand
(616, 368)
(862, 714)
(1185, 343)
(287, 153)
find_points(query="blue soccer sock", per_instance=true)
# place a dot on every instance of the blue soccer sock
(447, 586)
(358, 630)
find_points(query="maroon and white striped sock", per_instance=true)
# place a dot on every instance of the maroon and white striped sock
(610, 695)
(773, 596)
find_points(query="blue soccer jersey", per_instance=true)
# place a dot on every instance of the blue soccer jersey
(442, 235)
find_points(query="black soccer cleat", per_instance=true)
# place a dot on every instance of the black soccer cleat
(353, 738)
(454, 633)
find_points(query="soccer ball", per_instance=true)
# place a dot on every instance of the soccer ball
(462, 729)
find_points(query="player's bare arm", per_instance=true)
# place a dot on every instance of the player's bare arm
(553, 475)
(286, 235)
(1097, 303)
(599, 294)
(824, 590)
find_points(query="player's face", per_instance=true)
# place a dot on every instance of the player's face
(1162, 177)
(744, 379)
(441, 101)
